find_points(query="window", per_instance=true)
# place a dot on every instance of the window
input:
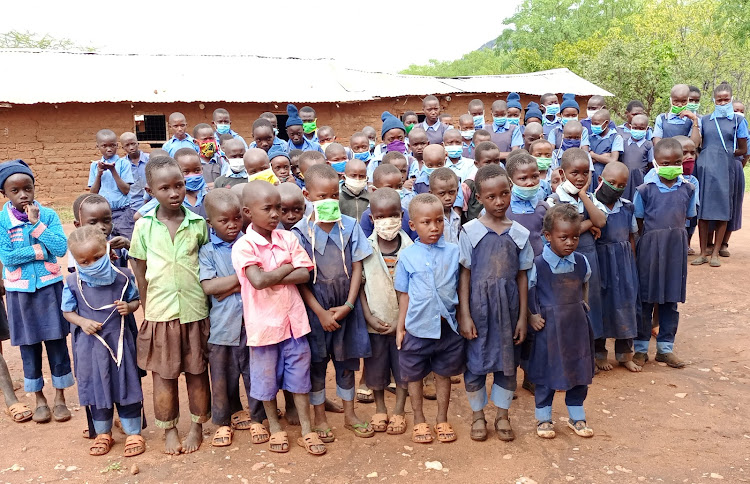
(151, 127)
(281, 123)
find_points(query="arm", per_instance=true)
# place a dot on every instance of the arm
(89, 326)
(51, 236)
(221, 285)
(262, 280)
(20, 255)
(640, 226)
(586, 293)
(139, 270)
(597, 217)
(741, 148)
(122, 185)
(326, 318)
(605, 158)
(465, 323)
(403, 305)
(695, 131)
(127, 307)
(340, 312)
(375, 323)
(632, 242)
(96, 185)
(586, 226)
(522, 281)
(299, 275)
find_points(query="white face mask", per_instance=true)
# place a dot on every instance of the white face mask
(569, 188)
(387, 228)
(591, 112)
(355, 186)
(237, 165)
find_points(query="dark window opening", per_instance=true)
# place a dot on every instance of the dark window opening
(151, 127)
(281, 123)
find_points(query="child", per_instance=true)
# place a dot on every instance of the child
(138, 160)
(486, 153)
(234, 151)
(694, 99)
(617, 270)
(410, 120)
(263, 135)
(31, 240)
(495, 254)
(572, 134)
(634, 108)
(606, 143)
(92, 209)
(514, 109)
(738, 177)
(427, 335)
(222, 125)
(562, 353)
(179, 139)
(527, 205)
(569, 112)
(444, 184)
(309, 123)
(454, 149)
(388, 176)
(336, 157)
(542, 150)
(431, 124)
(336, 246)
(228, 356)
(292, 205)
(380, 306)
(354, 197)
(467, 130)
(208, 149)
(360, 147)
(294, 156)
(531, 133)
(326, 136)
(104, 351)
(257, 165)
(417, 143)
(447, 120)
(112, 176)
(637, 154)
(278, 143)
(308, 159)
(174, 334)
(294, 130)
(679, 120)
(18, 412)
(393, 133)
(555, 180)
(689, 155)
(372, 136)
(662, 204)
(724, 136)
(480, 136)
(594, 104)
(550, 107)
(506, 136)
(476, 110)
(281, 165)
(533, 114)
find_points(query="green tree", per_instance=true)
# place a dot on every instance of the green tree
(15, 39)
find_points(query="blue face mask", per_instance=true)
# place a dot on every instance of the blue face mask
(514, 121)
(454, 152)
(525, 193)
(637, 134)
(372, 144)
(223, 128)
(570, 143)
(498, 121)
(339, 166)
(596, 129)
(427, 171)
(479, 121)
(552, 109)
(195, 183)
(564, 121)
(99, 272)
(723, 111)
(365, 157)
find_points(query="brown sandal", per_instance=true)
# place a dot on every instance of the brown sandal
(396, 425)
(281, 441)
(445, 432)
(20, 412)
(134, 445)
(222, 437)
(102, 445)
(258, 433)
(421, 434)
(312, 444)
(379, 422)
(241, 420)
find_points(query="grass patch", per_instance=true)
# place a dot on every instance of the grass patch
(747, 177)
(65, 211)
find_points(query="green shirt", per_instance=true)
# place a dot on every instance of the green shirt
(174, 289)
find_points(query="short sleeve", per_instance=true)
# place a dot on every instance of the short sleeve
(69, 303)
(148, 206)
(203, 237)
(92, 173)
(516, 139)
(401, 278)
(617, 144)
(634, 225)
(300, 258)
(413, 169)
(588, 269)
(532, 275)
(131, 293)
(243, 256)
(742, 129)
(360, 246)
(137, 244)
(552, 137)
(125, 172)
(206, 268)
(526, 257)
(459, 197)
(692, 210)
(638, 204)
(465, 249)
(365, 223)
(658, 128)
(585, 138)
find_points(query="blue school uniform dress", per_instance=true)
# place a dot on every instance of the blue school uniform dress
(333, 255)
(668, 125)
(556, 136)
(637, 156)
(306, 145)
(137, 192)
(548, 126)
(106, 376)
(530, 214)
(715, 167)
(375, 161)
(434, 132)
(468, 151)
(608, 143)
(175, 144)
(506, 136)
(122, 214)
(494, 261)
(661, 255)
(738, 177)
(422, 185)
(562, 353)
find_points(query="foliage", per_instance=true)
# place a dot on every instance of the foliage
(30, 40)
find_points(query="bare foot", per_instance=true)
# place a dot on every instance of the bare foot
(631, 366)
(603, 364)
(332, 406)
(291, 415)
(172, 445)
(194, 438)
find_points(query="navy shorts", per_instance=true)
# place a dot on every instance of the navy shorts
(420, 356)
(383, 363)
(280, 366)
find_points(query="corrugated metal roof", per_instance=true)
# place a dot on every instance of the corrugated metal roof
(58, 77)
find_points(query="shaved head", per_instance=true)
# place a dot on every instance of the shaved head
(680, 90)
(258, 190)
(174, 117)
(534, 129)
(290, 192)
(616, 168)
(104, 135)
(433, 153)
(128, 136)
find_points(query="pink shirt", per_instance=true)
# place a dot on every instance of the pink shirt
(276, 313)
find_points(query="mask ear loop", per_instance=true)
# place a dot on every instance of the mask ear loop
(81, 205)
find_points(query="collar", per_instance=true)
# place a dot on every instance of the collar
(673, 116)
(434, 127)
(610, 133)
(640, 142)
(546, 120)
(189, 215)
(653, 177)
(218, 242)
(186, 138)
(555, 260)
(566, 197)
(459, 164)
(114, 159)
(476, 230)
(339, 234)
(214, 159)
(140, 159)
(713, 116)
(532, 203)
(615, 209)
(14, 222)
(440, 243)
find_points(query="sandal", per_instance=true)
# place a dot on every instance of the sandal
(546, 430)
(691, 251)
(396, 425)
(312, 444)
(325, 435)
(102, 445)
(20, 412)
(724, 251)
(421, 434)
(670, 359)
(61, 413)
(364, 395)
(479, 435)
(279, 442)
(222, 437)
(379, 422)
(714, 263)
(362, 430)
(258, 433)
(580, 428)
(241, 420)
(445, 432)
(699, 261)
(504, 434)
(134, 445)
(42, 414)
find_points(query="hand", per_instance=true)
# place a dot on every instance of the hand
(409, 184)
(379, 325)
(340, 312)
(689, 114)
(536, 321)
(119, 242)
(33, 212)
(123, 308)
(519, 336)
(596, 232)
(466, 327)
(582, 191)
(89, 326)
(328, 322)
(400, 333)
(100, 167)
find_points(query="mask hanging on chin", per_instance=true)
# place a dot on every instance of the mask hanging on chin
(569, 188)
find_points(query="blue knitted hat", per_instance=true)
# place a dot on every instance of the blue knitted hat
(10, 168)
(569, 101)
(514, 100)
(533, 111)
(276, 151)
(390, 122)
(293, 113)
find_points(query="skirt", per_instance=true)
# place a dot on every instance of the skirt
(170, 348)
(34, 317)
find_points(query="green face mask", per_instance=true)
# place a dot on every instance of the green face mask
(310, 127)
(409, 128)
(693, 106)
(327, 210)
(543, 163)
(669, 172)
(677, 109)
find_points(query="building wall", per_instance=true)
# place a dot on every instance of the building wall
(58, 141)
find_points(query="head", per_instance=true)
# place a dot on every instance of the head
(281, 165)
(263, 134)
(600, 118)
(261, 203)
(87, 245)
(546, 100)
(372, 136)
(444, 185)
(385, 203)
(739, 108)
(615, 174)
(233, 148)
(434, 156)
(326, 136)
(355, 170)
(476, 108)
(321, 183)
(106, 143)
(189, 162)
(561, 228)
(220, 121)
(205, 139)
(256, 160)
(93, 209)
(294, 160)
(178, 125)
(575, 167)
(523, 170)
(271, 118)
(573, 130)
(492, 187)
(569, 108)
(292, 204)
(555, 178)
(359, 143)
(294, 125)
(426, 217)
(165, 181)
(223, 213)
(418, 142)
(308, 159)
(634, 108)
(129, 143)
(308, 114)
(533, 132)
(431, 108)
(466, 125)
(533, 114)
(480, 136)
(668, 152)
(446, 119)
(723, 94)
(694, 96)
(335, 153)
(689, 152)
(594, 104)
(499, 110)
(158, 152)
(514, 108)
(541, 148)
(399, 161)
(639, 122)
(453, 143)
(387, 175)
(486, 153)
(679, 95)
(410, 119)
(393, 129)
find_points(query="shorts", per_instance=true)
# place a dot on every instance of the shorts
(420, 356)
(170, 348)
(383, 363)
(280, 366)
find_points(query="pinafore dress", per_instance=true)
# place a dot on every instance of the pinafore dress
(533, 222)
(636, 159)
(714, 168)
(600, 146)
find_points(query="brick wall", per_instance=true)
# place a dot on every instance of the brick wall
(58, 141)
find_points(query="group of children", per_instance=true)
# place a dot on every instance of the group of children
(439, 252)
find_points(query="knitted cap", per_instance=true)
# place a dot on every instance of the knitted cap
(514, 100)
(569, 101)
(390, 122)
(10, 168)
(276, 151)
(293, 113)
(533, 111)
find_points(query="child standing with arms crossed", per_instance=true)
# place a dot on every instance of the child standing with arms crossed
(173, 338)
(495, 255)
(31, 240)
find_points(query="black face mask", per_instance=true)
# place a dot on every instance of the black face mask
(607, 194)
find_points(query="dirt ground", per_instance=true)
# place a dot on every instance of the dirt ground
(662, 425)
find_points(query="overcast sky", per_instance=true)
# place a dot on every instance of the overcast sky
(372, 35)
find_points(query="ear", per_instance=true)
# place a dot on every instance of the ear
(306, 194)
(548, 236)
(148, 190)
(246, 213)
(76, 224)
(412, 226)
(562, 175)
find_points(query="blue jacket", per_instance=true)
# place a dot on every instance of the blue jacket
(29, 252)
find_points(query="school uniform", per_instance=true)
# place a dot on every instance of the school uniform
(472, 209)
(197, 209)
(530, 214)
(376, 160)
(428, 273)
(33, 281)
(610, 142)
(463, 167)
(586, 123)
(122, 213)
(738, 181)
(435, 132)
(175, 144)
(365, 222)
(451, 226)
(333, 255)
(555, 137)
(494, 261)
(275, 318)
(278, 145)
(137, 192)
(214, 168)
(661, 255)
(506, 136)
(668, 125)
(562, 353)
(548, 126)
(637, 156)
(352, 204)
(625, 132)
(306, 145)
(231, 180)
(468, 151)
(422, 185)
(234, 134)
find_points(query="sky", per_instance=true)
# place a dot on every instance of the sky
(375, 36)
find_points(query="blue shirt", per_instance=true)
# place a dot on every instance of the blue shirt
(428, 273)
(138, 188)
(451, 226)
(307, 145)
(464, 167)
(474, 231)
(671, 119)
(215, 260)
(558, 265)
(151, 204)
(552, 137)
(278, 144)
(175, 144)
(516, 139)
(70, 303)
(424, 178)
(234, 134)
(518, 205)
(617, 144)
(108, 187)
(653, 177)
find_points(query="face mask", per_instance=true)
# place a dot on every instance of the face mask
(275, 131)
(552, 110)
(637, 134)
(468, 134)
(498, 121)
(596, 129)
(693, 106)
(266, 175)
(372, 144)
(454, 152)
(569, 188)
(543, 163)
(591, 112)
(338, 166)
(195, 183)
(688, 167)
(564, 121)
(669, 172)
(396, 145)
(525, 193)
(478, 121)
(570, 143)
(223, 128)
(427, 171)
(677, 109)
(365, 157)
(237, 165)
(208, 149)
(514, 121)
(723, 111)
(310, 127)
(409, 128)
(607, 193)
(100, 270)
(354, 185)
(387, 228)
(327, 210)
